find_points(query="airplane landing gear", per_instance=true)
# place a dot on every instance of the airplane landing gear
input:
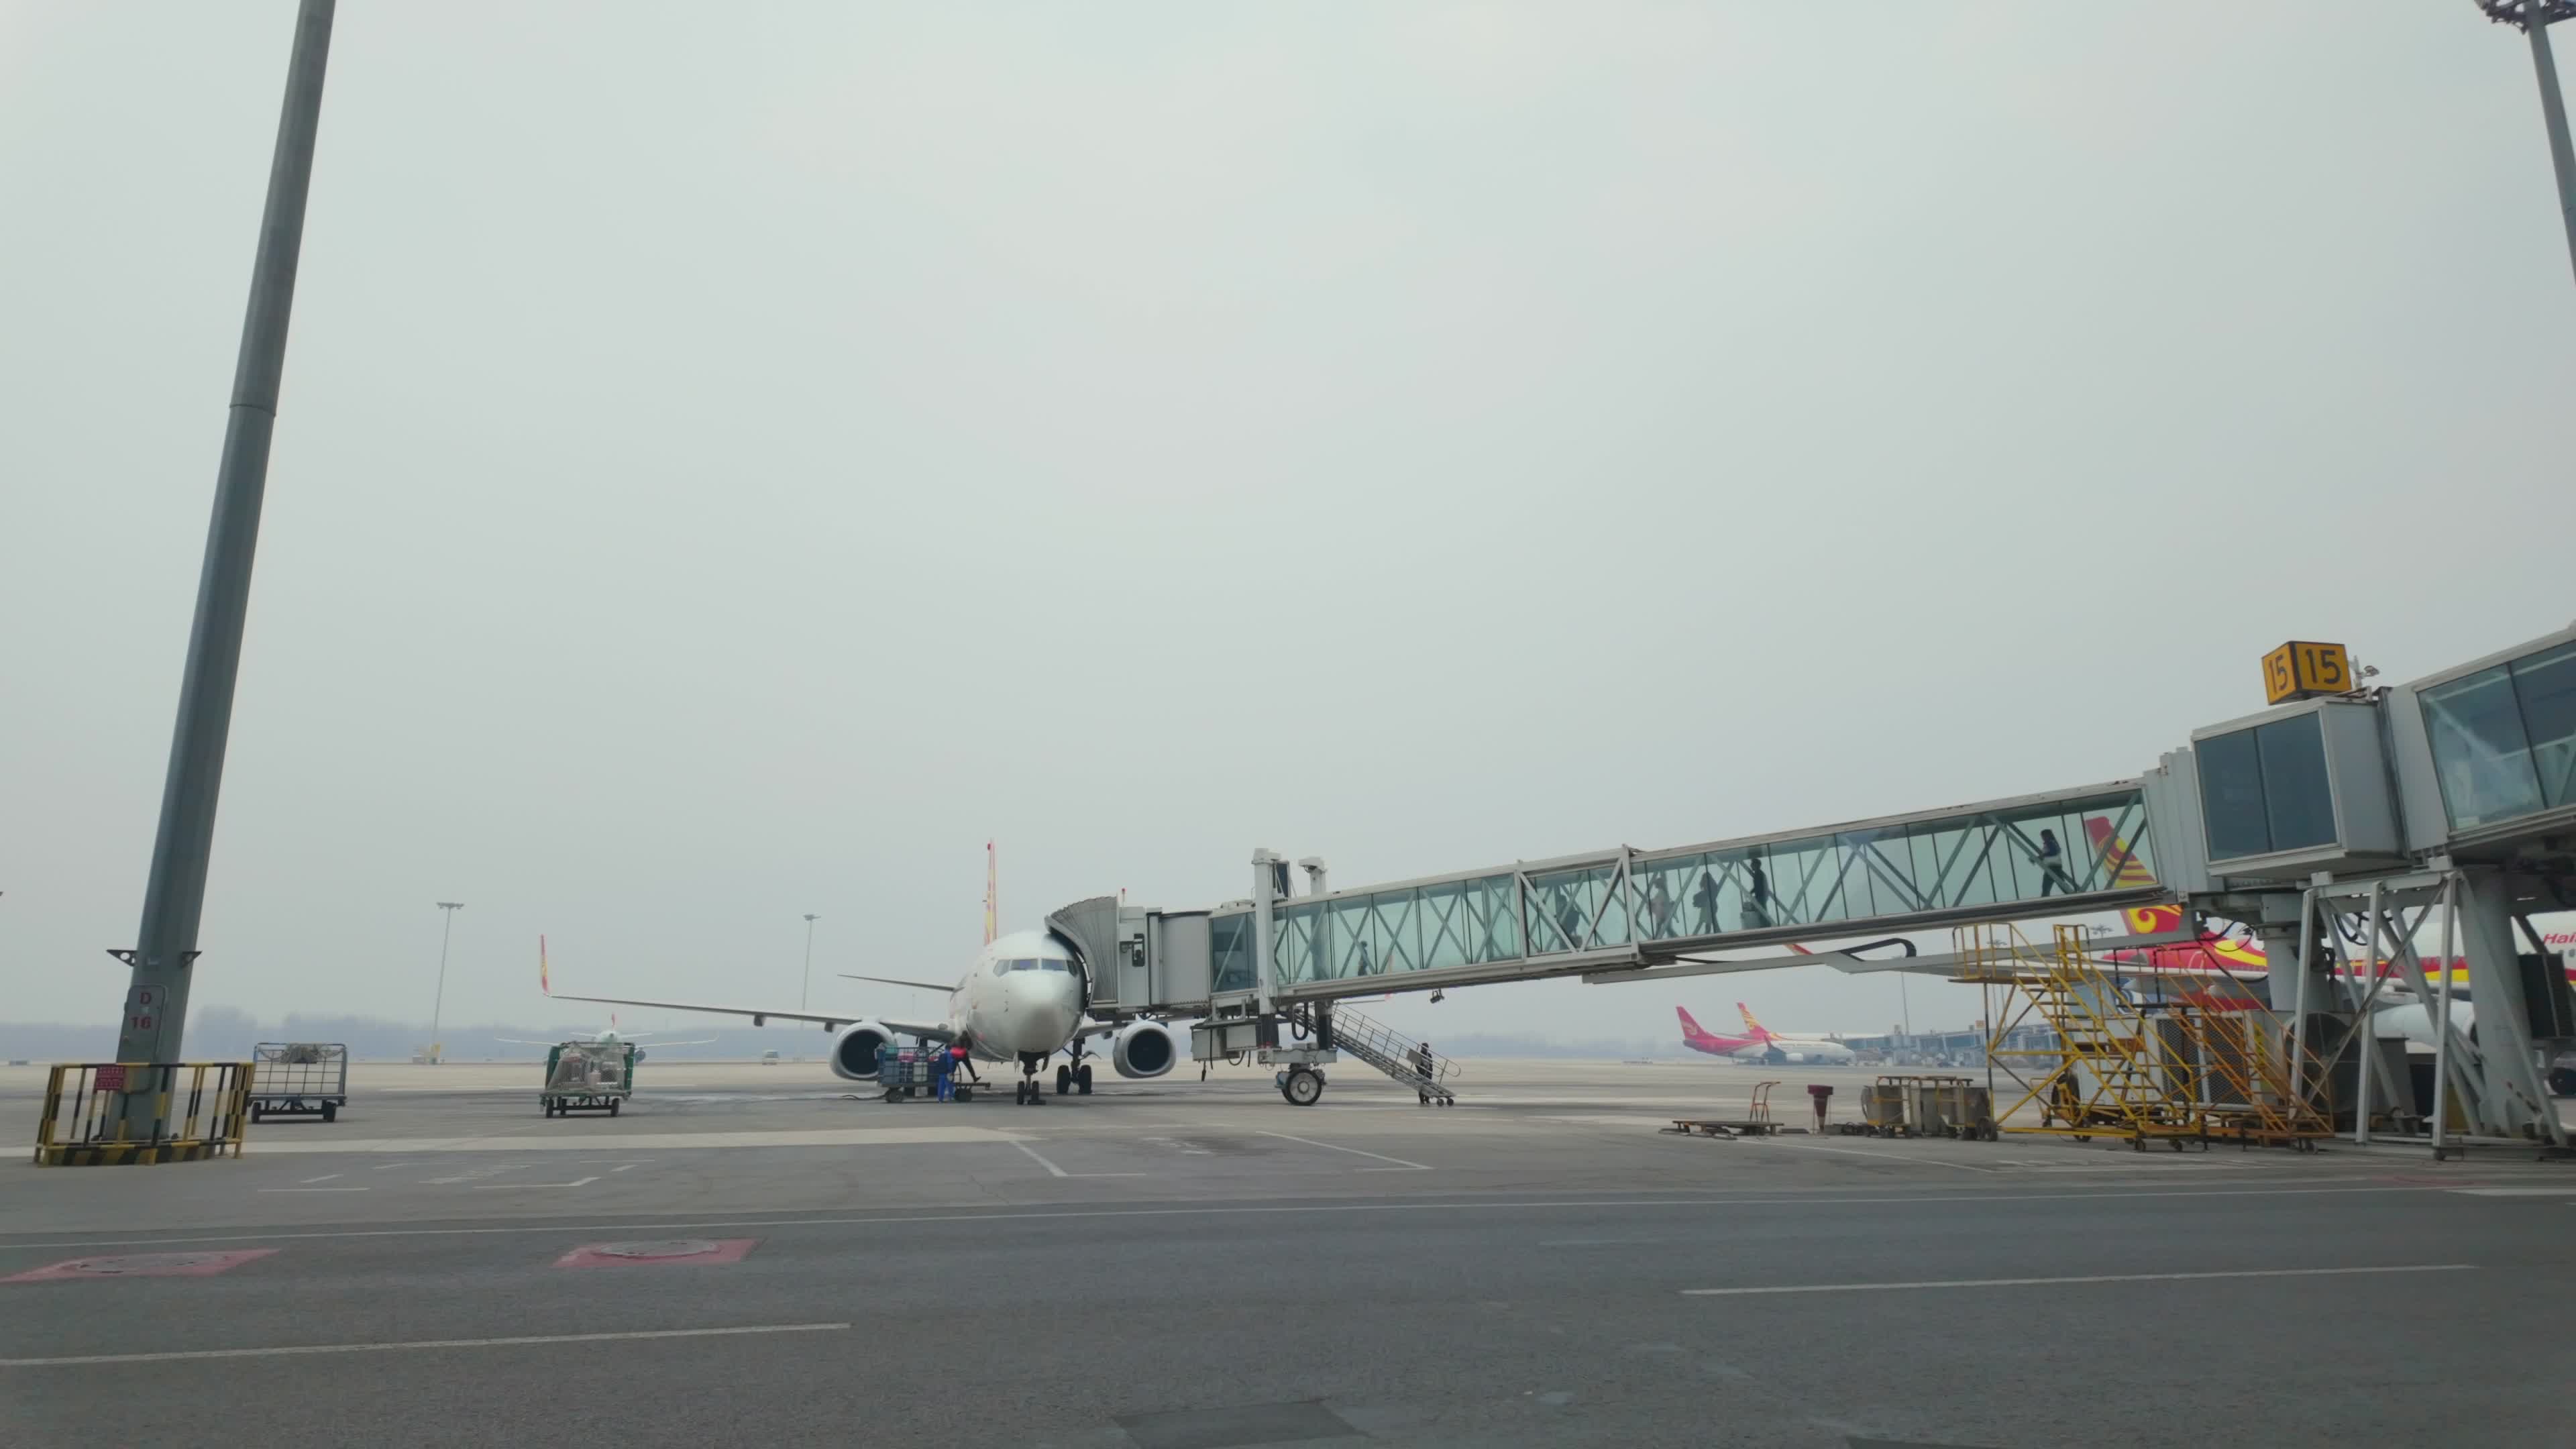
(1074, 1076)
(1029, 1092)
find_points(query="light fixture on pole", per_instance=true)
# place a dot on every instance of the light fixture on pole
(2533, 18)
(447, 914)
(807, 989)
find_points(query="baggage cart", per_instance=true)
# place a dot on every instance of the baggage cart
(909, 1072)
(584, 1076)
(299, 1079)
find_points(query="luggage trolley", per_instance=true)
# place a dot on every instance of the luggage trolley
(299, 1079)
(583, 1076)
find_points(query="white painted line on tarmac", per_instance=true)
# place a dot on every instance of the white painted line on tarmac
(952, 1214)
(314, 1189)
(2567, 1190)
(515, 1186)
(326, 1177)
(1881, 1156)
(595, 1142)
(1060, 1172)
(1380, 1156)
(2088, 1278)
(415, 1344)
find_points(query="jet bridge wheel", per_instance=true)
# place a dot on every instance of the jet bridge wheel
(1303, 1087)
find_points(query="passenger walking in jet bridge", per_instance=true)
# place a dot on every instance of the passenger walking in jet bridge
(1659, 909)
(1706, 899)
(1757, 902)
(2051, 861)
(1363, 952)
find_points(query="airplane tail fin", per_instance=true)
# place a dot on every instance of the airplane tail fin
(542, 984)
(992, 895)
(1752, 1028)
(1690, 1028)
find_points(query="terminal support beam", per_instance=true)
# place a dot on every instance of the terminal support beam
(174, 893)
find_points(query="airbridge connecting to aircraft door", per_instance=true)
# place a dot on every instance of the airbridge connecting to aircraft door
(2064, 852)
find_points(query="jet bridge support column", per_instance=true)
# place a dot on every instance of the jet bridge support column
(2512, 1095)
(1267, 866)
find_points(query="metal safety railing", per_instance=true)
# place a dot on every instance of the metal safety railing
(142, 1112)
(1400, 1057)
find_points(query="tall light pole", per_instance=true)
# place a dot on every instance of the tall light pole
(2533, 18)
(807, 989)
(174, 891)
(447, 913)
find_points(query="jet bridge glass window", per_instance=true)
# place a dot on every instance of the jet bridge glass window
(2265, 789)
(1230, 946)
(2504, 739)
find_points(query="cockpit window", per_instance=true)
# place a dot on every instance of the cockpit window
(1001, 966)
(1040, 963)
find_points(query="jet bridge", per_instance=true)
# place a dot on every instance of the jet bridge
(1249, 965)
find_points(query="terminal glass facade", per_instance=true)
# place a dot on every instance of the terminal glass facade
(2504, 739)
(1695, 897)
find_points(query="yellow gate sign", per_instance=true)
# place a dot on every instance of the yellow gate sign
(2300, 670)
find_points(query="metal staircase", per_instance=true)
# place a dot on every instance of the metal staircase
(1397, 1056)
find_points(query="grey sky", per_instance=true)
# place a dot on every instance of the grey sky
(734, 460)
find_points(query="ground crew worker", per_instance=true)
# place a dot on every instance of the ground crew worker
(1422, 1064)
(943, 1071)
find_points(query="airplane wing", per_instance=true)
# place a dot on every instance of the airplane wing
(939, 1032)
(652, 1042)
(514, 1041)
(758, 1014)
(897, 981)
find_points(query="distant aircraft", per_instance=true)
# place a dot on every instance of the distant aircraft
(606, 1036)
(1024, 1000)
(1761, 1044)
(1817, 1049)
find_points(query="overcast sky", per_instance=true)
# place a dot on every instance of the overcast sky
(736, 460)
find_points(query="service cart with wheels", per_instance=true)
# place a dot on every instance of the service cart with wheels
(584, 1076)
(299, 1079)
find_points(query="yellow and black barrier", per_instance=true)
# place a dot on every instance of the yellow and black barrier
(109, 1113)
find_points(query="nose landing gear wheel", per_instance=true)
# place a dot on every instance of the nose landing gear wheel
(1082, 1079)
(1020, 1094)
(1063, 1080)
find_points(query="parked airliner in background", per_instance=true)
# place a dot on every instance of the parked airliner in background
(606, 1036)
(1761, 1044)
(1024, 1000)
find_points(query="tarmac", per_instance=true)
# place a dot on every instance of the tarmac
(762, 1254)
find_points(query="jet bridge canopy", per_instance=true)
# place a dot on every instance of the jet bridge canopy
(2062, 853)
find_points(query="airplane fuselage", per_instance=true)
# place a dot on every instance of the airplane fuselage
(1023, 995)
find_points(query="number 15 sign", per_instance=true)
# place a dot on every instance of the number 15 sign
(2300, 670)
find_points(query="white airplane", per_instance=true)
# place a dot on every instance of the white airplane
(1771, 1046)
(1024, 1000)
(607, 1036)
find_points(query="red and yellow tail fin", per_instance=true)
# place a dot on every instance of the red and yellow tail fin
(1752, 1028)
(2120, 862)
(543, 984)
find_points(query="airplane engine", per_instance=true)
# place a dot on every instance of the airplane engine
(854, 1051)
(1144, 1049)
